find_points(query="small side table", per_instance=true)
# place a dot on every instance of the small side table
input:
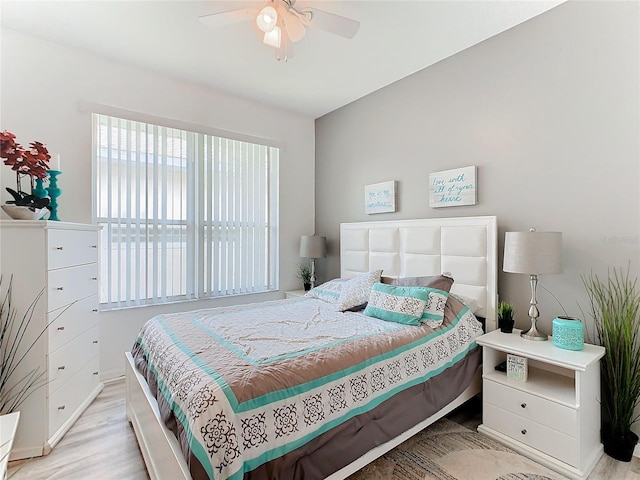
(294, 293)
(554, 416)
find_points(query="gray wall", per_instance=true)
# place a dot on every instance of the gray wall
(549, 113)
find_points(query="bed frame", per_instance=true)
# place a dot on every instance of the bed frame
(464, 246)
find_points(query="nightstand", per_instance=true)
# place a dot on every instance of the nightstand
(554, 416)
(294, 293)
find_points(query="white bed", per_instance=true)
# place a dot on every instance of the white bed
(465, 246)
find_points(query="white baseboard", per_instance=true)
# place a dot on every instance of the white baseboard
(114, 380)
(636, 451)
(107, 375)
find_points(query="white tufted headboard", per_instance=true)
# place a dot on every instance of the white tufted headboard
(466, 247)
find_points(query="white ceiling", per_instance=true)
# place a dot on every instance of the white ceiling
(396, 38)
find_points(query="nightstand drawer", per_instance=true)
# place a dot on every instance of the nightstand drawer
(540, 437)
(294, 293)
(525, 405)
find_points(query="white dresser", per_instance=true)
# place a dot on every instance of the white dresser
(554, 416)
(60, 259)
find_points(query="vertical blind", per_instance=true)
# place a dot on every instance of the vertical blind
(185, 215)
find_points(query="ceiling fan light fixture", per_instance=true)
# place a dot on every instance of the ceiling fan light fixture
(283, 24)
(273, 37)
(267, 19)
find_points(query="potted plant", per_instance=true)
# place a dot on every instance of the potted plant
(615, 308)
(506, 311)
(26, 162)
(15, 388)
(304, 272)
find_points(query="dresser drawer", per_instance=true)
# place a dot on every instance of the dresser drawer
(540, 410)
(540, 437)
(71, 247)
(65, 401)
(70, 284)
(73, 321)
(65, 362)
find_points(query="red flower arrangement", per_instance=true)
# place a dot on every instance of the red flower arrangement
(30, 162)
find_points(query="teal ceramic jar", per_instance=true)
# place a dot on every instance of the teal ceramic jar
(568, 333)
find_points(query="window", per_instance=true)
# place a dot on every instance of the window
(185, 215)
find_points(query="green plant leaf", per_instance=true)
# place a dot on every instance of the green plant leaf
(614, 305)
(14, 389)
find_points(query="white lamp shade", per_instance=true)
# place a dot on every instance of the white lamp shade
(273, 37)
(533, 252)
(267, 19)
(312, 246)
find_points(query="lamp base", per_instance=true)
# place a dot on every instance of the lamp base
(313, 277)
(534, 334)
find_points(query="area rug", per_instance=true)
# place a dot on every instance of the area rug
(449, 451)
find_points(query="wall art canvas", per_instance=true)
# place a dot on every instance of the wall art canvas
(380, 197)
(450, 188)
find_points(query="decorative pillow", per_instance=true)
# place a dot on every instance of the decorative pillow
(433, 314)
(397, 304)
(441, 282)
(453, 310)
(355, 291)
(328, 291)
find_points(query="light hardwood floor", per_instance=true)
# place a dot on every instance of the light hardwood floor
(102, 446)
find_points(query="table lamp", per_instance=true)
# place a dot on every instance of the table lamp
(533, 253)
(312, 247)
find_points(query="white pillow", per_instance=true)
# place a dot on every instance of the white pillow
(329, 291)
(356, 291)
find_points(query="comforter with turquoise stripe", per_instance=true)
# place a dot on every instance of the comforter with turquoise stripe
(245, 385)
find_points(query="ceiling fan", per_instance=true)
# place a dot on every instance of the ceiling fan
(283, 23)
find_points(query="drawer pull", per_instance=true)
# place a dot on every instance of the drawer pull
(60, 328)
(59, 288)
(94, 246)
(59, 248)
(523, 431)
(61, 407)
(94, 278)
(523, 405)
(95, 373)
(95, 341)
(61, 367)
(94, 309)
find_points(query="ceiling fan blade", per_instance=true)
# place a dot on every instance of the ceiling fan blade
(330, 22)
(222, 19)
(294, 26)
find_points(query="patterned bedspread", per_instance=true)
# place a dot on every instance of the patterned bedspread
(249, 384)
